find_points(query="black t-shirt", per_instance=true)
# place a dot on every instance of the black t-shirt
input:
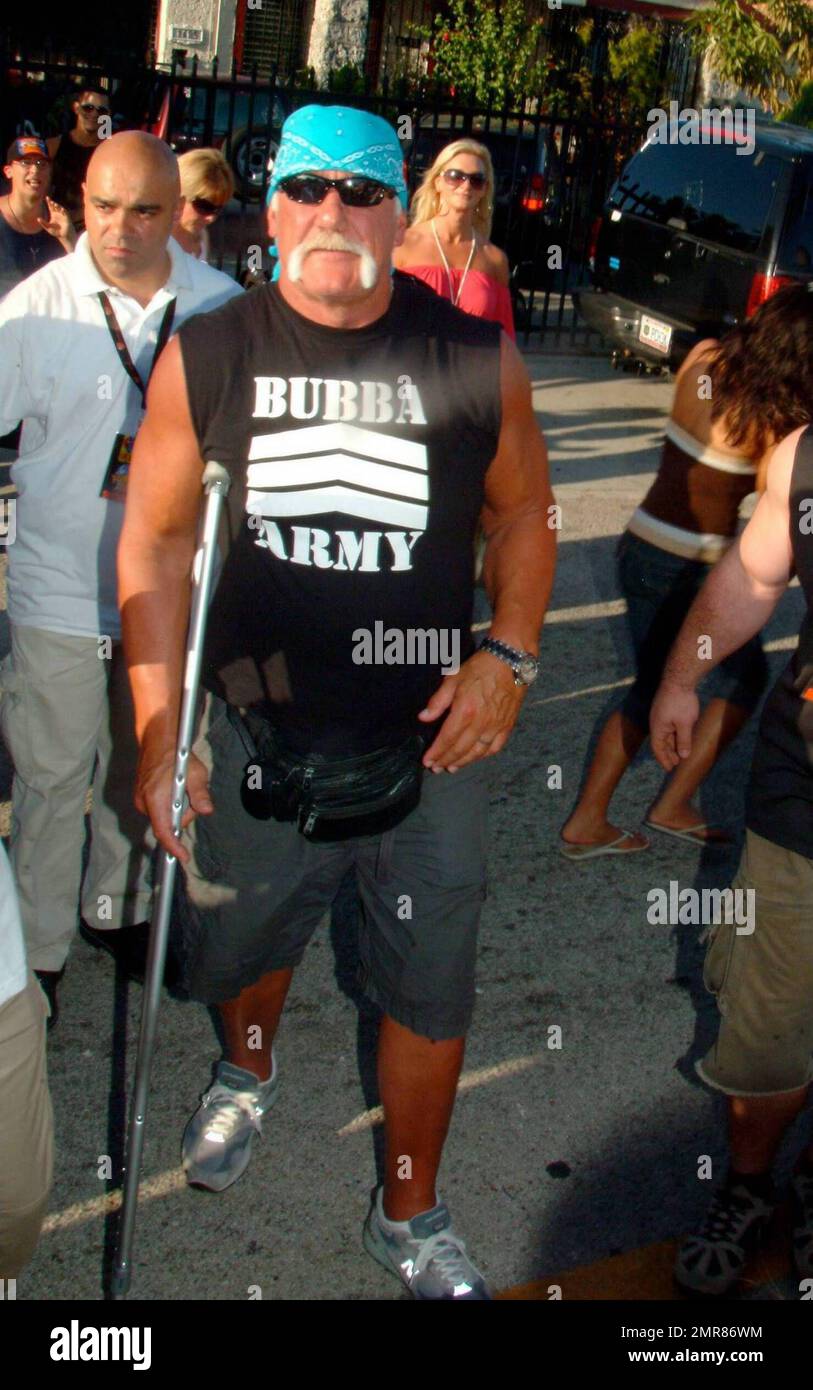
(21, 253)
(68, 173)
(780, 791)
(358, 459)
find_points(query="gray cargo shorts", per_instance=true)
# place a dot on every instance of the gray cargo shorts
(254, 892)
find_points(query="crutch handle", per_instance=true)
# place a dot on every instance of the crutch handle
(214, 475)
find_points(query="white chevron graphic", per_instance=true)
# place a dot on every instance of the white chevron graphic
(339, 467)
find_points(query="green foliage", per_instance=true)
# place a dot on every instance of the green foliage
(768, 54)
(801, 113)
(634, 63)
(485, 52)
(347, 81)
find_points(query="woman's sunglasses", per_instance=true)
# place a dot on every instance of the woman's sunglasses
(89, 106)
(457, 176)
(355, 191)
(205, 207)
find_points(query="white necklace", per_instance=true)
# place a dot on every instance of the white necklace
(455, 298)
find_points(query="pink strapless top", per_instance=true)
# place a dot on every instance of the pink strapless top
(482, 295)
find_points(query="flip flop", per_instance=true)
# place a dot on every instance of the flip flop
(692, 833)
(577, 853)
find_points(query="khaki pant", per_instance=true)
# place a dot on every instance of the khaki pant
(67, 719)
(26, 1127)
(763, 979)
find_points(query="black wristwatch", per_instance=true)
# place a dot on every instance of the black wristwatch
(524, 665)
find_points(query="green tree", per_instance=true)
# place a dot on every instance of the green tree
(634, 62)
(768, 53)
(801, 112)
(486, 51)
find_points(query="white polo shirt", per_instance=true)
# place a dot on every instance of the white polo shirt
(61, 375)
(12, 950)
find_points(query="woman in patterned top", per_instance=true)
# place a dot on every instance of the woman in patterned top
(734, 400)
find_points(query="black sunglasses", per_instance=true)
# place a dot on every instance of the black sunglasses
(460, 176)
(355, 191)
(89, 106)
(205, 208)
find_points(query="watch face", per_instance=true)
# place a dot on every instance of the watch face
(528, 670)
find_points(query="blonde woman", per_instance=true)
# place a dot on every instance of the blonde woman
(207, 183)
(448, 244)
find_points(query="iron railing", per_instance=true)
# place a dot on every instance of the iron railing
(553, 169)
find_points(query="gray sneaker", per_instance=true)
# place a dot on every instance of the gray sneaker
(711, 1262)
(216, 1145)
(425, 1254)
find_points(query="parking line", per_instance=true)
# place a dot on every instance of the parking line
(368, 1119)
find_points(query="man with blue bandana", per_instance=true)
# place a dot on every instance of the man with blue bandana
(369, 427)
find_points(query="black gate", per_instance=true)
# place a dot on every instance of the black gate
(553, 169)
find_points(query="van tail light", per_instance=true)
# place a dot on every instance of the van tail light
(593, 243)
(534, 198)
(762, 287)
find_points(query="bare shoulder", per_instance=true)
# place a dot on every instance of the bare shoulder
(53, 144)
(415, 248)
(699, 355)
(780, 466)
(497, 262)
(167, 394)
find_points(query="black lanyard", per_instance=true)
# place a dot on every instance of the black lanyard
(123, 351)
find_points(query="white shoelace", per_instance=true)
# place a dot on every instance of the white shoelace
(232, 1107)
(448, 1253)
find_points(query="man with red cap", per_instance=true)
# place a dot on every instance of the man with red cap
(33, 228)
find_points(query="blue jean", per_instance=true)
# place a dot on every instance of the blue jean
(660, 588)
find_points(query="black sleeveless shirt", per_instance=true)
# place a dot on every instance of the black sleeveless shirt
(780, 793)
(68, 172)
(357, 460)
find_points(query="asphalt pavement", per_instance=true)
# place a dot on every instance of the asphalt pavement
(579, 1124)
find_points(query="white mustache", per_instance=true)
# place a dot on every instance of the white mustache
(334, 241)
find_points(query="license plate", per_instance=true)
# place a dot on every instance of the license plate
(656, 334)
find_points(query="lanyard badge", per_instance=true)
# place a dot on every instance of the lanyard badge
(114, 483)
(114, 487)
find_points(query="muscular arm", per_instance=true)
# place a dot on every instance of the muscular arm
(155, 559)
(734, 604)
(518, 574)
(520, 553)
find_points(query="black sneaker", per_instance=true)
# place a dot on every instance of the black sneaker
(127, 945)
(802, 1200)
(711, 1261)
(49, 979)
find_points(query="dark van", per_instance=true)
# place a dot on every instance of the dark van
(693, 238)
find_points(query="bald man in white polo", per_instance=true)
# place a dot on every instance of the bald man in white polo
(77, 343)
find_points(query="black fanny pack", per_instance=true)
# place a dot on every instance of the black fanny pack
(328, 798)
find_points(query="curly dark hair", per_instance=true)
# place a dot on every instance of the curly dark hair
(762, 372)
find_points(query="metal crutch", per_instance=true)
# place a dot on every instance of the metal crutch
(216, 483)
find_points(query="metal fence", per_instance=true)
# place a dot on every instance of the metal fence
(552, 169)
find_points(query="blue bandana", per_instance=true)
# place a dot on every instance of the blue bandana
(339, 137)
